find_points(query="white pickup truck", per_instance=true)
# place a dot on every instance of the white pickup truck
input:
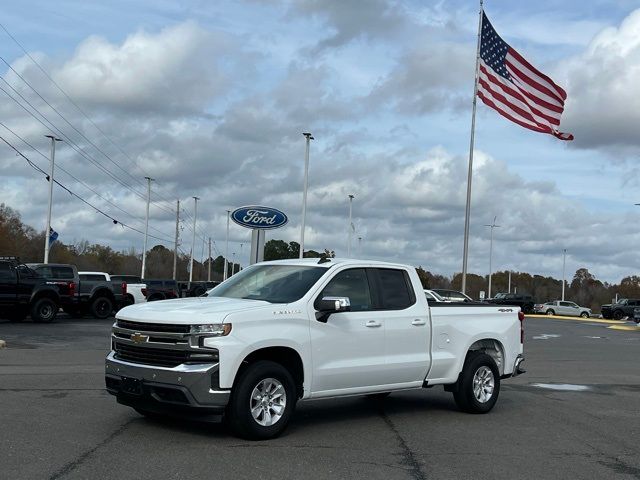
(283, 331)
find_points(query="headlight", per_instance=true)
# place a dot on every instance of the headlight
(212, 330)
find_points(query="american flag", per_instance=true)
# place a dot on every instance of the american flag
(515, 89)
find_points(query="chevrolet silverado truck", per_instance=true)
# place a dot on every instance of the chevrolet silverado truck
(296, 330)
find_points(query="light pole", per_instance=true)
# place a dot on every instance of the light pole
(146, 227)
(308, 137)
(564, 262)
(193, 241)
(240, 258)
(233, 263)
(492, 226)
(226, 253)
(351, 197)
(359, 247)
(47, 232)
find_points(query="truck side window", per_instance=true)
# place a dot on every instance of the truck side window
(7, 274)
(62, 273)
(351, 283)
(395, 289)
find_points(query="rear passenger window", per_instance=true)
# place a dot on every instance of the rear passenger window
(395, 289)
(62, 273)
(7, 274)
(93, 278)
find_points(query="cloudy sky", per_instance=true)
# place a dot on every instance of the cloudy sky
(211, 99)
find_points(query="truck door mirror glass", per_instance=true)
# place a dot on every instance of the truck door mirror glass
(329, 305)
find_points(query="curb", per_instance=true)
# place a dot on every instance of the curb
(3, 344)
(578, 319)
(627, 328)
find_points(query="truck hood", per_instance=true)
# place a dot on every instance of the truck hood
(189, 310)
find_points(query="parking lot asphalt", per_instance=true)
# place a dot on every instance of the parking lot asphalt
(574, 414)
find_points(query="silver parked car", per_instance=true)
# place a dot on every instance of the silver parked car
(560, 307)
(433, 296)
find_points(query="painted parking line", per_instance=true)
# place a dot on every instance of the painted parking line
(578, 319)
(628, 328)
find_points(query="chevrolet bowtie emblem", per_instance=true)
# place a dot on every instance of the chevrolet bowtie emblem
(139, 338)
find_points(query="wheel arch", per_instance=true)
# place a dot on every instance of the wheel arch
(37, 295)
(492, 347)
(286, 356)
(102, 292)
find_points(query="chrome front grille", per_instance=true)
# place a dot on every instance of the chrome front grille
(158, 344)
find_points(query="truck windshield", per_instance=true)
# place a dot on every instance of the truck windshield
(271, 283)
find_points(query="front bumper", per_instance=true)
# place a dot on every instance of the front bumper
(185, 390)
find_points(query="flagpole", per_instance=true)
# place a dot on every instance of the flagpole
(467, 214)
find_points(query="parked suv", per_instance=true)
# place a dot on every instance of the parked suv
(24, 292)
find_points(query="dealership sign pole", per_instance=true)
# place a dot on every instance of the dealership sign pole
(258, 218)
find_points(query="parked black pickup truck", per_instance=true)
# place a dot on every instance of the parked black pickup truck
(23, 292)
(93, 292)
(617, 311)
(522, 300)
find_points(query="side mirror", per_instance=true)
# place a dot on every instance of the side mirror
(329, 305)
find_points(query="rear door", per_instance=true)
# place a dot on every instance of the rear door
(407, 330)
(8, 283)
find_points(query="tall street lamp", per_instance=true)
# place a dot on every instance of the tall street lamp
(564, 263)
(47, 232)
(308, 138)
(351, 197)
(492, 226)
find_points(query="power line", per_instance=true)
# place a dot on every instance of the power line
(46, 74)
(114, 220)
(77, 179)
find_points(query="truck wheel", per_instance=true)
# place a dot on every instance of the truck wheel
(101, 307)
(262, 401)
(478, 385)
(617, 315)
(584, 315)
(550, 312)
(44, 310)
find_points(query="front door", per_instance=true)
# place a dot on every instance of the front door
(348, 351)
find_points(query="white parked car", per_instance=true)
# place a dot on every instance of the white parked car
(284, 331)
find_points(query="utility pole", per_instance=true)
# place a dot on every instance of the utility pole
(175, 246)
(146, 227)
(564, 262)
(350, 225)
(209, 272)
(226, 251)
(233, 263)
(308, 137)
(509, 281)
(359, 247)
(492, 226)
(240, 258)
(193, 241)
(47, 231)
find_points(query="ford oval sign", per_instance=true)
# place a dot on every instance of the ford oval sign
(259, 217)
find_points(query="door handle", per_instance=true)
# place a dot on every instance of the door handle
(372, 324)
(417, 322)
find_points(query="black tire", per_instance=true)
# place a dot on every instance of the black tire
(584, 315)
(239, 416)
(550, 312)
(617, 315)
(101, 307)
(44, 310)
(477, 365)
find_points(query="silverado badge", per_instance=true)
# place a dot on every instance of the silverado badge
(139, 338)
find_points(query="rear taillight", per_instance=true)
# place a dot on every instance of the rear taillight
(72, 289)
(144, 291)
(521, 318)
(124, 288)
